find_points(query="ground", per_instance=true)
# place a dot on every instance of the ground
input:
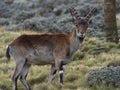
(93, 53)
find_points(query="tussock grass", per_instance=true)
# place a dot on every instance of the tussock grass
(93, 54)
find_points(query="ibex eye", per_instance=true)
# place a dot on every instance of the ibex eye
(89, 22)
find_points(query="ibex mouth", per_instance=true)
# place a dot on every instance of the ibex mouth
(81, 39)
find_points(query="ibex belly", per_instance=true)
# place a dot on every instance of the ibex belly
(41, 55)
(67, 60)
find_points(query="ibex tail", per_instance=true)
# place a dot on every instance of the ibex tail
(8, 53)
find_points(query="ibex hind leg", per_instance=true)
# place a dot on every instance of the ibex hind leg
(59, 67)
(52, 74)
(23, 76)
(18, 68)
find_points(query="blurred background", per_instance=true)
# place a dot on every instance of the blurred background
(50, 15)
(95, 66)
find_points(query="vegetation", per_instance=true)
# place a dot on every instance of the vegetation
(94, 53)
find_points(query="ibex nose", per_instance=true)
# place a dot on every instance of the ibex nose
(82, 33)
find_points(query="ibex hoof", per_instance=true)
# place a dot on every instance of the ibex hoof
(61, 84)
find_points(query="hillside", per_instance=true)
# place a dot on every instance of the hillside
(93, 54)
(50, 15)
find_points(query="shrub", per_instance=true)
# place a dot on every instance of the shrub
(107, 75)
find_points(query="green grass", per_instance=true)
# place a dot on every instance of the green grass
(92, 54)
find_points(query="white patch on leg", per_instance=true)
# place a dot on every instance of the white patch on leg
(61, 72)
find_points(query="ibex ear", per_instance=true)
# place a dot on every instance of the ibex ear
(88, 16)
(76, 17)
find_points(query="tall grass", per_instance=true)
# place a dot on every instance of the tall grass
(92, 54)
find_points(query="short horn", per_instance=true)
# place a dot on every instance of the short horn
(88, 16)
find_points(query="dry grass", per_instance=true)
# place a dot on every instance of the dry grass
(92, 54)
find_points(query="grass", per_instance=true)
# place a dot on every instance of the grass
(93, 54)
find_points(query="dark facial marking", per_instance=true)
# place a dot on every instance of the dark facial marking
(81, 39)
(83, 22)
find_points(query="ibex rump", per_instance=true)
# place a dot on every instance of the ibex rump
(54, 49)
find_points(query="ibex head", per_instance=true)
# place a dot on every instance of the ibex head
(81, 23)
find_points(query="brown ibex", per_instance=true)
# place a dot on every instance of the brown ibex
(54, 49)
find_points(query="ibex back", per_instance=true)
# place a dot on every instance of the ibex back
(54, 49)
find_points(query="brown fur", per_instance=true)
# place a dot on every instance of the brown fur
(58, 42)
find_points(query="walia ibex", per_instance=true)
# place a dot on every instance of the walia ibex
(43, 49)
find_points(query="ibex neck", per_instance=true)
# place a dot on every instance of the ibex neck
(74, 42)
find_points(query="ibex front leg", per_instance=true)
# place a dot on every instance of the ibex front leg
(61, 72)
(59, 67)
(52, 74)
